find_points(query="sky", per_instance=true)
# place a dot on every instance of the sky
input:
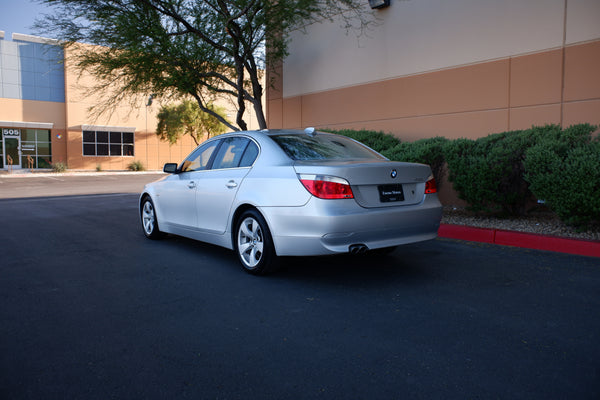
(17, 16)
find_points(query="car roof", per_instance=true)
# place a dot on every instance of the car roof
(272, 132)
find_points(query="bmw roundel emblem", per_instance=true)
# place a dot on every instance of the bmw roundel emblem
(394, 173)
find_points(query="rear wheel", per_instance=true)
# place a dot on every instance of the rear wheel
(149, 222)
(254, 245)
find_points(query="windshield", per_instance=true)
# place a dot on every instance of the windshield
(323, 147)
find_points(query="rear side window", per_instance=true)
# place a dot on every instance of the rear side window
(235, 152)
(323, 147)
(250, 155)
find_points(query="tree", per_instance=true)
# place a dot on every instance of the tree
(176, 120)
(198, 48)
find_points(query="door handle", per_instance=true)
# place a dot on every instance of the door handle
(192, 185)
(231, 184)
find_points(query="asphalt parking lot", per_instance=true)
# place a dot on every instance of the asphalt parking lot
(91, 309)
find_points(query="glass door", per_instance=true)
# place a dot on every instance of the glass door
(12, 151)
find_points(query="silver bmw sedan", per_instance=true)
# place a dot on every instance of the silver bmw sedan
(272, 193)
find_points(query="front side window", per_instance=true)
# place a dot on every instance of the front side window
(200, 158)
(103, 144)
(323, 147)
(231, 152)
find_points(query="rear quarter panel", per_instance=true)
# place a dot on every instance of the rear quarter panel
(273, 186)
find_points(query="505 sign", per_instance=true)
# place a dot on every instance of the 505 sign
(11, 132)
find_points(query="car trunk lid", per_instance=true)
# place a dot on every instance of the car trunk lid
(375, 184)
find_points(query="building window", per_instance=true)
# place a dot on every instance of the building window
(108, 143)
(36, 147)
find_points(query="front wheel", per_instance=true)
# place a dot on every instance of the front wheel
(149, 222)
(254, 245)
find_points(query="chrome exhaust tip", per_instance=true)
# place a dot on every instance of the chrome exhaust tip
(356, 249)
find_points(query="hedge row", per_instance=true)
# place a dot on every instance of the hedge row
(504, 172)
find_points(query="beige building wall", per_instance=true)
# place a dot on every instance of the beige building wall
(132, 115)
(461, 68)
(27, 113)
(65, 112)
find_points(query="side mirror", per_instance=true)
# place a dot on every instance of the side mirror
(170, 168)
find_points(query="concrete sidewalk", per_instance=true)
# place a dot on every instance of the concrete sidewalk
(25, 173)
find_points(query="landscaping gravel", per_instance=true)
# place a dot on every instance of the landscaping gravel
(544, 223)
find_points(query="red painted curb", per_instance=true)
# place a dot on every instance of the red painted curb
(468, 233)
(521, 239)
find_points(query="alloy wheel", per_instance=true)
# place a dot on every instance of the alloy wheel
(250, 242)
(148, 218)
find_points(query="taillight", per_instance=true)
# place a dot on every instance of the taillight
(430, 186)
(327, 187)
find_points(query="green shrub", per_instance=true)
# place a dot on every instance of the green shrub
(377, 140)
(59, 166)
(424, 151)
(503, 172)
(563, 169)
(488, 172)
(136, 166)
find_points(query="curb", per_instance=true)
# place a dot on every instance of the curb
(521, 239)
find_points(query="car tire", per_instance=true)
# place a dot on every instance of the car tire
(254, 244)
(149, 221)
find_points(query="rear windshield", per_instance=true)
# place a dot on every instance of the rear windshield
(323, 147)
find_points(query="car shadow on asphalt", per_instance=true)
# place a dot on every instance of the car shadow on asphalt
(406, 265)
(360, 270)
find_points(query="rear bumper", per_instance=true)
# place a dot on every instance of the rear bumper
(330, 226)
